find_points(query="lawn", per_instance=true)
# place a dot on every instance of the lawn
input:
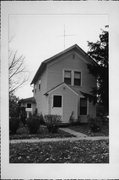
(23, 133)
(84, 128)
(83, 151)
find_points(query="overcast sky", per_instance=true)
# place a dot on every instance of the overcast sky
(39, 37)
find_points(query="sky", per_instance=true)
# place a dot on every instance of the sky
(38, 37)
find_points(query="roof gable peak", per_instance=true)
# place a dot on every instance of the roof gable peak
(44, 63)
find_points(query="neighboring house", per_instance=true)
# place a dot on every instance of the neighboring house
(63, 85)
(29, 104)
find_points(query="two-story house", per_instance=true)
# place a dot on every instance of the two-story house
(63, 85)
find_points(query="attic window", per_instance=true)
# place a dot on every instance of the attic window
(67, 77)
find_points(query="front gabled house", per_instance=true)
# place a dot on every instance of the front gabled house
(63, 86)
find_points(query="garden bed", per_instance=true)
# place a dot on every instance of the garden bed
(23, 133)
(84, 128)
(83, 151)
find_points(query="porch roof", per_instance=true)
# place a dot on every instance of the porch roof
(72, 88)
(28, 100)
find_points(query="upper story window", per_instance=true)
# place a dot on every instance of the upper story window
(77, 78)
(72, 77)
(39, 85)
(28, 105)
(34, 88)
(67, 77)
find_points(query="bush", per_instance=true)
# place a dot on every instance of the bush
(33, 124)
(95, 124)
(23, 115)
(22, 130)
(52, 122)
(13, 124)
(41, 119)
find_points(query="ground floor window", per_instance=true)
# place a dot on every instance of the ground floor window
(83, 106)
(57, 101)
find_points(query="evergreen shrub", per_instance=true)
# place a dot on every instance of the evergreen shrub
(33, 123)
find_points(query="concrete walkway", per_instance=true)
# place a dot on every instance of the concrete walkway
(57, 139)
(77, 134)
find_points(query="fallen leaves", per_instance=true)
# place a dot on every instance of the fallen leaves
(82, 151)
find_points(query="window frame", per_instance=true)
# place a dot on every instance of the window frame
(35, 87)
(39, 85)
(72, 76)
(75, 71)
(28, 104)
(86, 106)
(64, 75)
(53, 101)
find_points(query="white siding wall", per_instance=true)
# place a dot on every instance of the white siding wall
(53, 76)
(41, 99)
(55, 71)
(70, 102)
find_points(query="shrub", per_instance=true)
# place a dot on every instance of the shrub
(22, 130)
(23, 115)
(95, 124)
(13, 124)
(41, 119)
(52, 122)
(33, 124)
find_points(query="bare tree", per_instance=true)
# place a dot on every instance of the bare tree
(17, 71)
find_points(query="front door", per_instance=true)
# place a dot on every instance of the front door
(57, 105)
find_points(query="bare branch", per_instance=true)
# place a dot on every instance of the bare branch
(17, 72)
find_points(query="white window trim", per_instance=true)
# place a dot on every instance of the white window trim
(53, 100)
(72, 76)
(87, 107)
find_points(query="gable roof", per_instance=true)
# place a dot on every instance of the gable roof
(63, 83)
(72, 88)
(44, 63)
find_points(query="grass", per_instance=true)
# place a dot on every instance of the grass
(82, 151)
(84, 128)
(23, 133)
